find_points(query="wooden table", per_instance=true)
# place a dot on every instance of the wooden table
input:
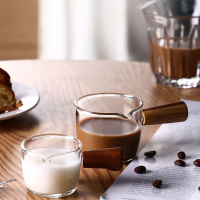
(59, 84)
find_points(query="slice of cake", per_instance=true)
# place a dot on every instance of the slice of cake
(7, 96)
(5, 78)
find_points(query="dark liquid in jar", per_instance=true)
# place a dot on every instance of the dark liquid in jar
(175, 58)
(97, 133)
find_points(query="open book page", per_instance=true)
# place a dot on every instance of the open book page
(178, 182)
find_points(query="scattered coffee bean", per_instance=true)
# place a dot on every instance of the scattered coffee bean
(157, 183)
(150, 153)
(179, 163)
(181, 155)
(197, 162)
(199, 188)
(140, 169)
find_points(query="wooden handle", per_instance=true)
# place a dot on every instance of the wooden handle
(109, 158)
(174, 112)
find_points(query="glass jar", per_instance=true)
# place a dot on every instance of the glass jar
(174, 41)
(107, 120)
(51, 164)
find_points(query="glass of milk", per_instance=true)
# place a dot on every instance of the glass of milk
(51, 164)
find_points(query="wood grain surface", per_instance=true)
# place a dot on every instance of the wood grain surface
(168, 113)
(108, 158)
(59, 84)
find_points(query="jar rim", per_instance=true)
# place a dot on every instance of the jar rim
(174, 16)
(128, 96)
(41, 136)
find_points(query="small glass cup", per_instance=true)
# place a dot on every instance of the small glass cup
(106, 120)
(174, 41)
(51, 164)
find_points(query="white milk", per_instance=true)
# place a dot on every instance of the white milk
(58, 176)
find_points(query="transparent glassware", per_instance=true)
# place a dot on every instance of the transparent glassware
(174, 41)
(107, 120)
(51, 164)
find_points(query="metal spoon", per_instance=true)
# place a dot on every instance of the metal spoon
(6, 181)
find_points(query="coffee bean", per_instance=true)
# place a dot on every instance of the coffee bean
(197, 162)
(199, 188)
(140, 169)
(157, 183)
(179, 163)
(181, 155)
(150, 153)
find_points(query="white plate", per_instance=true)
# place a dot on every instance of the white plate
(29, 96)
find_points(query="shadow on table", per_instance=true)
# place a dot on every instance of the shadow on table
(22, 123)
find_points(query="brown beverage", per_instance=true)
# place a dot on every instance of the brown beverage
(97, 133)
(179, 60)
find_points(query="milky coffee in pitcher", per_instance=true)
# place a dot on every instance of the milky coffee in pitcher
(97, 133)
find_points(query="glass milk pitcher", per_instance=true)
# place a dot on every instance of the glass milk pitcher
(106, 120)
